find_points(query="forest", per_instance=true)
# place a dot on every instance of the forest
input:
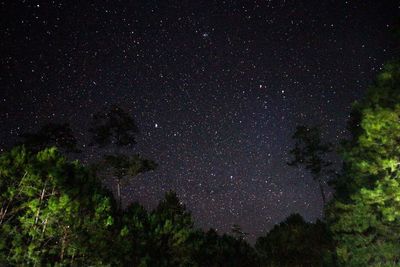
(56, 211)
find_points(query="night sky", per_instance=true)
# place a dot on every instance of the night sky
(216, 89)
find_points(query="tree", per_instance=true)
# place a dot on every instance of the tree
(213, 250)
(311, 152)
(294, 242)
(113, 126)
(122, 166)
(365, 214)
(55, 212)
(52, 211)
(51, 134)
(116, 129)
(132, 238)
(238, 232)
(172, 227)
(162, 237)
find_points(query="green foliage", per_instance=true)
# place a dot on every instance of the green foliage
(171, 227)
(52, 211)
(166, 237)
(364, 217)
(157, 238)
(294, 242)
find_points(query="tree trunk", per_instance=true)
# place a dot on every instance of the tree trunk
(72, 258)
(63, 245)
(119, 194)
(3, 213)
(40, 202)
(321, 188)
(4, 210)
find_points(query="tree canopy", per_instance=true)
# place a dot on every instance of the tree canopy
(294, 242)
(365, 214)
(52, 211)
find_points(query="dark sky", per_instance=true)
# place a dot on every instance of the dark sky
(216, 88)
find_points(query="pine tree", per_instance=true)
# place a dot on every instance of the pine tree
(52, 211)
(122, 166)
(310, 151)
(116, 130)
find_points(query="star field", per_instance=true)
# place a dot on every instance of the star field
(216, 88)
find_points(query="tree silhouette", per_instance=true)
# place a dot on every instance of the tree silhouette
(113, 126)
(238, 232)
(116, 130)
(122, 166)
(51, 134)
(294, 242)
(309, 151)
